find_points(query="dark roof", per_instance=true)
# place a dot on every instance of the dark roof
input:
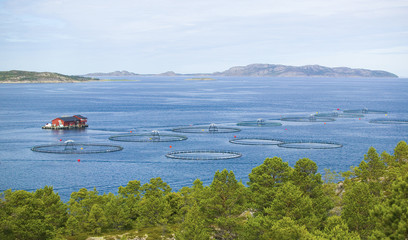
(68, 119)
(80, 116)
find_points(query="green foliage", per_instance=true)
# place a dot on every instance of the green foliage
(330, 176)
(131, 194)
(391, 217)
(118, 212)
(292, 203)
(79, 207)
(96, 219)
(264, 228)
(154, 209)
(357, 203)
(175, 201)
(25, 215)
(286, 228)
(225, 202)
(397, 163)
(401, 152)
(264, 179)
(310, 182)
(194, 226)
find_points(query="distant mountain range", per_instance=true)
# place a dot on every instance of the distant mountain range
(271, 70)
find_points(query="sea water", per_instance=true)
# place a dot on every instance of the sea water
(144, 104)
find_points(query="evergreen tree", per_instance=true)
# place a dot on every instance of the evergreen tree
(117, 212)
(132, 195)
(79, 207)
(397, 164)
(336, 229)
(55, 211)
(292, 203)
(401, 152)
(175, 201)
(264, 179)
(25, 215)
(287, 229)
(266, 228)
(154, 209)
(194, 226)
(310, 182)
(97, 219)
(391, 217)
(225, 203)
(376, 167)
(358, 200)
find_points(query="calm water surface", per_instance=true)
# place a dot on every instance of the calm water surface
(162, 103)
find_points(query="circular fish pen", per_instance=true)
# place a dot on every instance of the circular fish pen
(71, 147)
(259, 123)
(389, 121)
(212, 128)
(365, 111)
(339, 115)
(203, 155)
(310, 145)
(311, 118)
(256, 141)
(154, 136)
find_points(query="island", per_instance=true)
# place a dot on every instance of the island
(200, 79)
(268, 70)
(16, 76)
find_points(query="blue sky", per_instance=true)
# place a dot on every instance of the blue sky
(189, 36)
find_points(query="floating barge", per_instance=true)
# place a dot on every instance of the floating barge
(74, 122)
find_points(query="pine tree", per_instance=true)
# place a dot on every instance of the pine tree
(132, 195)
(265, 179)
(117, 212)
(25, 215)
(97, 220)
(310, 182)
(391, 217)
(226, 200)
(154, 209)
(358, 200)
(291, 202)
(193, 226)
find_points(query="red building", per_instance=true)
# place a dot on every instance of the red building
(74, 121)
(82, 119)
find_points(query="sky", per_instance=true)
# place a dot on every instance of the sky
(189, 36)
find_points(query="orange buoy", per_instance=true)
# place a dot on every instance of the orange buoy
(79, 160)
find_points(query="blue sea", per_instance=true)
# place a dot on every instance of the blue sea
(145, 104)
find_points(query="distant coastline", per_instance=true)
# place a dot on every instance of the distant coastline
(16, 76)
(268, 70)
(252, 70)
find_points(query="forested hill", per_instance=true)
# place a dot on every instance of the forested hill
(280, 202)
(15, 76)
